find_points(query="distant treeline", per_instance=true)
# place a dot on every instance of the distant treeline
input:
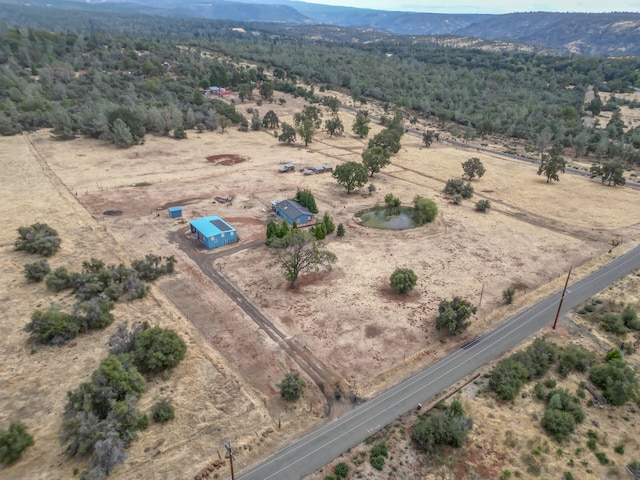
(71, 70)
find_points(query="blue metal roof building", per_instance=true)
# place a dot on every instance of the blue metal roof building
(213, 232)
(292, 211)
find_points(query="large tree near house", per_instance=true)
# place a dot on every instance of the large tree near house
(298, 252)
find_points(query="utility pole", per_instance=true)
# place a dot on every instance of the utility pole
(231, 457)
(562, 298)
(481, 292)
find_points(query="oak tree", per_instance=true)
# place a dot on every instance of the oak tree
(550, 166)
(361, 124)
(351, 175)
(375, 159)
(473, 168)
(453, 314)
(298, 252)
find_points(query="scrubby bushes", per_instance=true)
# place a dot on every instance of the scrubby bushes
(152, 268)
(377, 455)
(38, 238)
(341, 470)
(617, 380)
(53, 326)
(442, 426)
(101, 418)
(37, 271)
(455, 186)
(58, 280)
(13, 442)
(613, 317)
(574, 358)
(562, 413)
(508, 376)
(97, 288)
(482, 205)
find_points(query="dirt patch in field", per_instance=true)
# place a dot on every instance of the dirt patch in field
(226, 159)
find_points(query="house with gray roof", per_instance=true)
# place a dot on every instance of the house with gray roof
(292, 211)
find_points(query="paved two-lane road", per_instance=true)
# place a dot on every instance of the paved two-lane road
(327, 442)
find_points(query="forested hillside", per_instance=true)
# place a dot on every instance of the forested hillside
(152, 71)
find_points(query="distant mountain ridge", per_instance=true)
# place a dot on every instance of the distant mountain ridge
(602, 34)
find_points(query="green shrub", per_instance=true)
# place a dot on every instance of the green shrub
(162, 411)
(567, 476)
(441, 426)
(13, 442)
(53, 326)
(550, 383)
(159, 349)
(613, 355)
(539, 391)
(340, 231)
(505, 474)
(377, 462)
(341, 470)
(630, 318)
(508, 294)
(617, 380)
(37, 271)
(507, 377)
(58, 280)
(574, 358)
(482, 205)
(380, 450)
(403, 280)
(560, 424)
(589, 307)
(613, 323)
(93, 314)
(456, 186)
(602, 458)
(38, 238)
(592, 444)
(619, 449)
(101, 418)
(152, 267)
(292, 387)
(424, 210)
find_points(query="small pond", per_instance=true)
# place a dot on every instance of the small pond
(399, 219)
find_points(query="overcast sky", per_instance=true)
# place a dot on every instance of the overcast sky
(490, 6)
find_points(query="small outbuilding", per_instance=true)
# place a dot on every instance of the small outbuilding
(175, 212)
(292, 211)
(213, 232)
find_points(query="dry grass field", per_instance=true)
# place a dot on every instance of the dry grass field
(349, 318)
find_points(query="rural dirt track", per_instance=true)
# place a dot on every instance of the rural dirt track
(324, 378)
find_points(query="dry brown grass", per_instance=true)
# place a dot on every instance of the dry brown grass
(348, 317)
